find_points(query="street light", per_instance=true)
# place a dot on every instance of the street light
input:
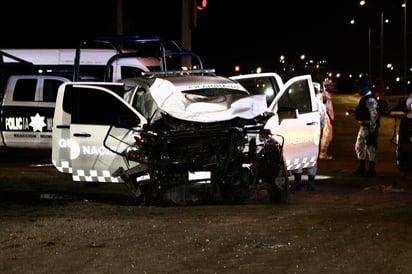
(381, 50)
(352, 22)
(362, 3)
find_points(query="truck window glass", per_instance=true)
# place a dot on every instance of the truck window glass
(106, 109)
(297, 96)
(50, 87)
(130, 72)
(261, 86)
(25, 90)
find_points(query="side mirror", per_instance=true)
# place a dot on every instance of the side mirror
(125, 121)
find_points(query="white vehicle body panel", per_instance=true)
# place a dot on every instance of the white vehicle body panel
(302, 133)
(194, 108)
(89, 57)
(78, 148)
(28, 118)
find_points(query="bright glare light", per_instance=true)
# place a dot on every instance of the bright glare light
(269, 92)
(259, 70)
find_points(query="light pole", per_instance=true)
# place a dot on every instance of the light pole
(381, 50)
(362, 3)
(405, 45)
(369, 52)
(369, 49)
(119, 17)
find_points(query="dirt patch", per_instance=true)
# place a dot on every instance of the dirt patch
(327, 231)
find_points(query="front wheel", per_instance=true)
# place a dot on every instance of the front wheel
(280, 186)
(272, 172)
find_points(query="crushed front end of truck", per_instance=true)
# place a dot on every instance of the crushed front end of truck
(183, 162)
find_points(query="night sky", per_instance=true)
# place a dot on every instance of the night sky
(228, 32)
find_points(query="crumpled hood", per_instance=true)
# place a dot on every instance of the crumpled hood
(198, 108)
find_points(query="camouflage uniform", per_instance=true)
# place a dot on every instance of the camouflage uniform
(367, 140)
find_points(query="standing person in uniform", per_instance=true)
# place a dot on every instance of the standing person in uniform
(367, 140)
(312, 171)
(327, 134)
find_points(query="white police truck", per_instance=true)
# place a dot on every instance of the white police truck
(29, 79)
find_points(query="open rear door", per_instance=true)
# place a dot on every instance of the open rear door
(86, 113)
(61, 130)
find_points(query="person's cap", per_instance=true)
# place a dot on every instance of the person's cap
(328, 82)
(365, 84)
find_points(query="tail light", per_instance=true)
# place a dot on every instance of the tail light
(134, 152)
(138, 141)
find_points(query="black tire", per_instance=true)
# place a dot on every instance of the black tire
(274, 174)
(280, 185)
(403, 154)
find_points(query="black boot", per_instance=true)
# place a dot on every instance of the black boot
(371, 171)
(297, 183)
(361, 169)
(311, 183)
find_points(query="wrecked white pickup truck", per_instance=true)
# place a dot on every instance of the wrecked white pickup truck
(165, 134)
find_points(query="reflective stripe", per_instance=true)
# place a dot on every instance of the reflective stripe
(63, 166)
(94, 176)
(87, 176)
(301, 163)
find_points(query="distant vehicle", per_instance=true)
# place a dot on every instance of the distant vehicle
(104, 59)
(392, 101)
(29, 79)
(388, 103)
